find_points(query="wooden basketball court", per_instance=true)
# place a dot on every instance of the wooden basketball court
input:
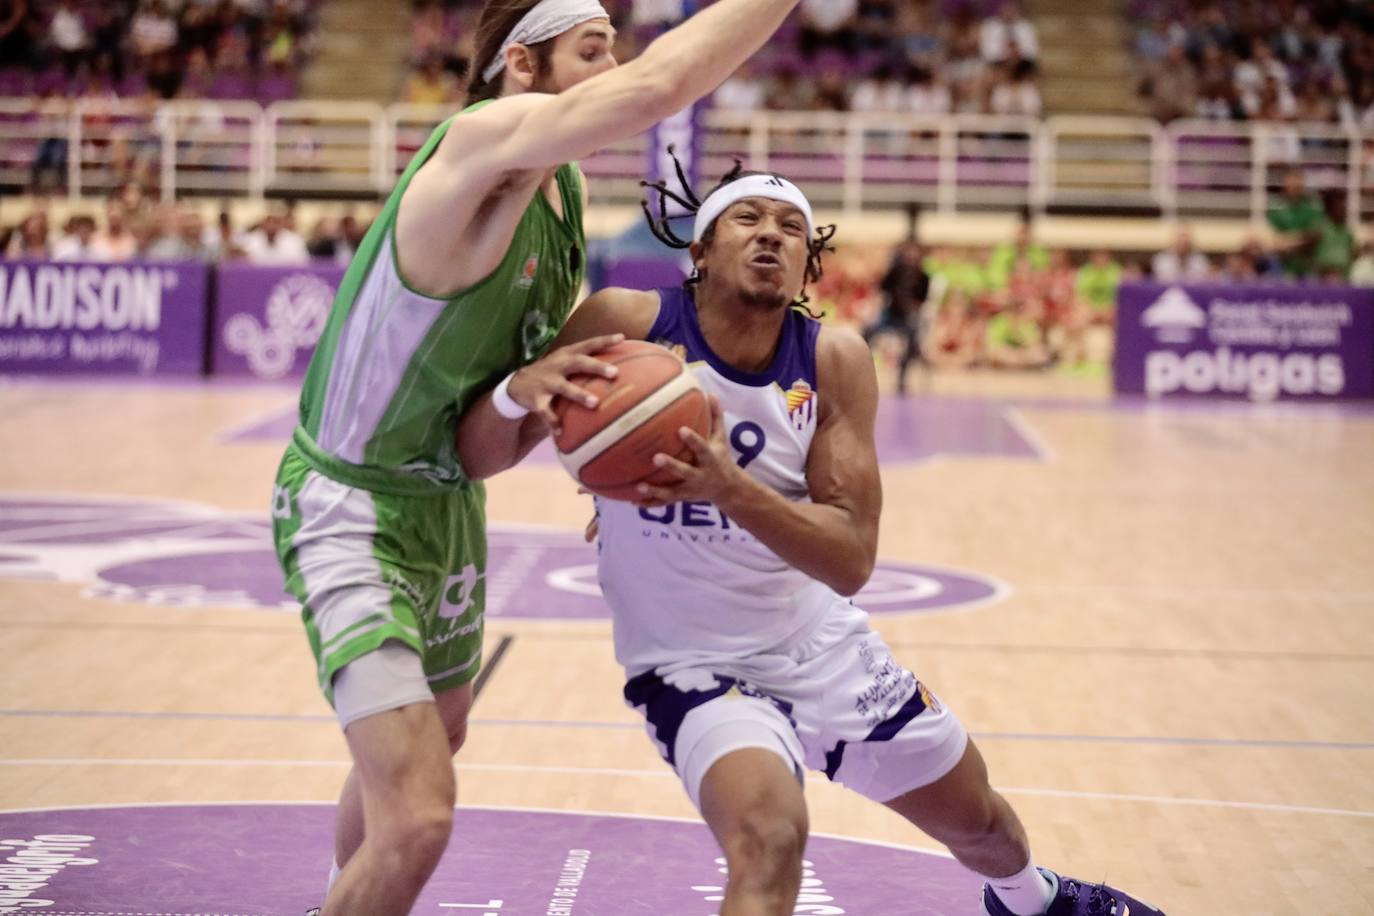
(1173, 683)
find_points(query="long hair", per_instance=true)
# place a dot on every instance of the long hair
(498, 19)
(661, 225)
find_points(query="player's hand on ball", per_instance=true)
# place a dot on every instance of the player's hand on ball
(709, 477)
(535, 386)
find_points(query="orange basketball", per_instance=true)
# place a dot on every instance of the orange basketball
(610, 448)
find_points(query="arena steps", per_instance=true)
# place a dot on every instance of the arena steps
(1085, 59)
(361, 52)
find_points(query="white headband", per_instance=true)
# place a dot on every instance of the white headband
(545, 20)
(770, 187)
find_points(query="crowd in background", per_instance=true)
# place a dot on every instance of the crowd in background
(131, 226)
(1239, 60)
(1022, 305)
(918, 56)
(216, 49)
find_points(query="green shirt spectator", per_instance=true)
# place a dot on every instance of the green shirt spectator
(1097, 281)
(1297, 217)
(1336, 247)
(1004, 257)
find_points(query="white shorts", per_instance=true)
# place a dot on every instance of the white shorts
(838, 704)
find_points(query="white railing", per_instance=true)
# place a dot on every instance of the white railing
(853, 162)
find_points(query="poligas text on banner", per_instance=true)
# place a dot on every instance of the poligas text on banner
(1262, 343)
(134, 318)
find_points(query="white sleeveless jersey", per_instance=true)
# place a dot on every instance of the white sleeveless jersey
(686, 584)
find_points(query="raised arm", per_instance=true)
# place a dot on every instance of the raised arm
(833, 538)
(488, 443)
(530, 132)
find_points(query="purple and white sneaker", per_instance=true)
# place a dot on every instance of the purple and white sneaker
(1074, 898)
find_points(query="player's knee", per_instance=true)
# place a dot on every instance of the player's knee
(766, 848)
(457, 735)
(417, 839)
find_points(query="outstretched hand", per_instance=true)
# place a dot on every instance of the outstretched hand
(710, 477)
(535, 386)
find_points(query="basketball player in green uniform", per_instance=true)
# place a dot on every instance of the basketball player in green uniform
(467, 275)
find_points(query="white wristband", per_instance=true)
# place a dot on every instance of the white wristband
(505, 404)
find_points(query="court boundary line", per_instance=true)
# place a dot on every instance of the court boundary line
(1012, 414)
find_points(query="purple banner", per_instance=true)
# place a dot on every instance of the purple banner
(268, 319)
(138, 318)
(1263, 343)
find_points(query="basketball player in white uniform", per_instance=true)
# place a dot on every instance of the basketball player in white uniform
(728, 588)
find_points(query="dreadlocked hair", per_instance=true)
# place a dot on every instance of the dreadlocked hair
(661, 224)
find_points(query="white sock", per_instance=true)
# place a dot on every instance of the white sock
(333, 876)
(1026, 893)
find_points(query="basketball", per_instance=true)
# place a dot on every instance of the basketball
(610, 448)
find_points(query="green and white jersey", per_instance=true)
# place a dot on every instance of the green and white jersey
(396, 368)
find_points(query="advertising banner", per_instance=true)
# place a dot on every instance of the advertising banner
(268, 319)
(137, 318)
(1261, 342)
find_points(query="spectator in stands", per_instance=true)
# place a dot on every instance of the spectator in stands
(829, 24)
(324, 241)
(183, 239)
(49, 169)
(273, 243)
(117, 242)
(1015, 338)
(1218, 99)
(1008, 36)
(1181, 262)
(832, 90)
(917, 35)
(1358, 113)
(431, 84)
(77, 242)
(1020, 248)
(742, 92)
(1334, 252)
(1014, 92)
(1152, 45)
(16, 41)
(428, 31)
(876, 23)
(1362, 271)
(1172, 93)
(965, 69)
(1263, 264)
(67, 33)
(153, 30)
(928, 94)
(789, 92)
(905, 288)
(30, 240)
(222, 239)
(1096, 284)
(880, 92)
(1296, 219)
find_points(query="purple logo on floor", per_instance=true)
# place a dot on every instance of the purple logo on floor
(252, 859)
(193, 555)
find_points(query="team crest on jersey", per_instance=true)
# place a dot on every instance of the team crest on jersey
(801, 403)
(928, 698)
(526, 278)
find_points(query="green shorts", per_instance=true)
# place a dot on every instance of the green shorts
(370, 566)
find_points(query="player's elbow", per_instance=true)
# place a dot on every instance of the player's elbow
(854, 575)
